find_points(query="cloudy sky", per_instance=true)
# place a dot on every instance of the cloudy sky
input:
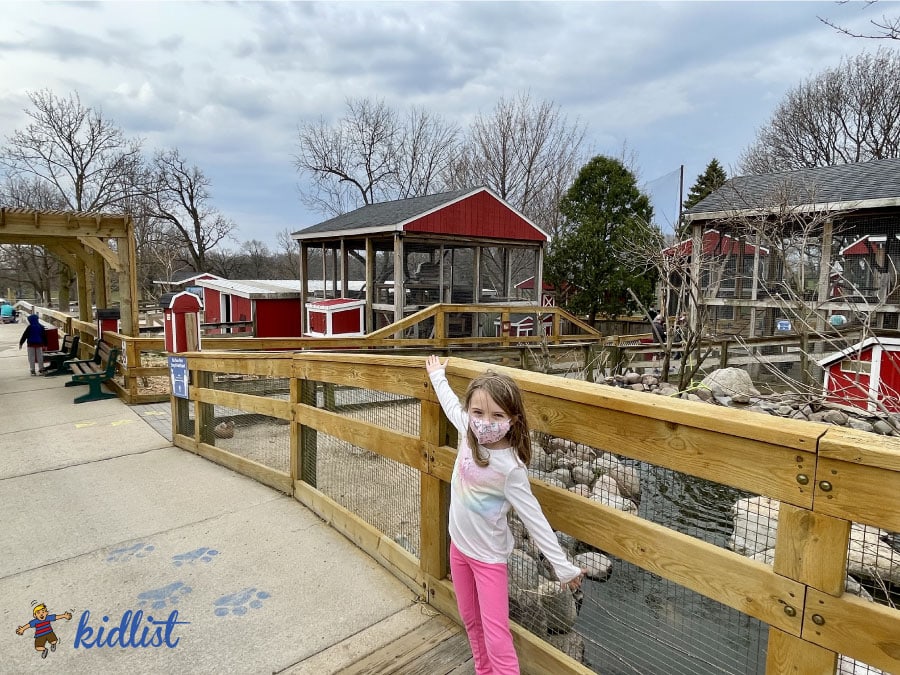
(671, 83)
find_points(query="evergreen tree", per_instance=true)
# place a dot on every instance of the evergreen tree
(707, 182)
(605, 214)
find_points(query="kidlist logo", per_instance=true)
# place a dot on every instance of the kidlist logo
(132, 629)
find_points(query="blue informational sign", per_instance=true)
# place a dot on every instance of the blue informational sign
(179, 372)
(783, 324)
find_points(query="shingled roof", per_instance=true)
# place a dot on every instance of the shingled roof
(874, 184)
(384, 216)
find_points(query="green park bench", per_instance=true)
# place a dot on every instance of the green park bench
(55, 361)
(94, 372)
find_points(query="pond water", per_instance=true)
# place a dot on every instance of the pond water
(646, 624)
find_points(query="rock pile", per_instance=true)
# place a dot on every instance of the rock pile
(733, 387)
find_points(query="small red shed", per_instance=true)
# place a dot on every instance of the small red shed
(257, 307)
(181, 312)
(865, 374)
(337, 316)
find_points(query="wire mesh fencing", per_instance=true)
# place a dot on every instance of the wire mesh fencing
(381, 491)
(624, 619)
(260, 438)
(627, 619)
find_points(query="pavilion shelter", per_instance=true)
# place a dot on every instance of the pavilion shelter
(93, 245)
(809, 243)
(462, 247)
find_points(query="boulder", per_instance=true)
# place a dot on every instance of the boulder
(730, 381)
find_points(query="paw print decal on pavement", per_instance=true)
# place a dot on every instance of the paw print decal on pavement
(237, 603)
(203, 554)
(139, 550)
(160, 598)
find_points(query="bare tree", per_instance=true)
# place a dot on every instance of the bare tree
(179, 196)
(427, 146)
(76, 155)
(885, 28)
(680, 292)
(527, 152)
(372, 154)
(257, 260)
(850, 113)
(82, 154)
(287, 258)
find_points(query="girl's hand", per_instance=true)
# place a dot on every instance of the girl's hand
(433, 363)
(575, 584)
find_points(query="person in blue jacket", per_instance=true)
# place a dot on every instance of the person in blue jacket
(36, 338)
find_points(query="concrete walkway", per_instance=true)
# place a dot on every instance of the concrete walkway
(103, 518)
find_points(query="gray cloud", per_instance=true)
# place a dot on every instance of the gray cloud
(674, 82)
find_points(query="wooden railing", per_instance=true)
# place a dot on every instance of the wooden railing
(825, 478)
(507, 349)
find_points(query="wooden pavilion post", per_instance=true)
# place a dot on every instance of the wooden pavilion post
(370, 285)
(334, 270)
(696, 276)
(304, 285)
(476, 277)
(128, 291)
(399, 285)
(345, 268)
(101, 281)
(754, 285)
(824, 271)
(539, 275)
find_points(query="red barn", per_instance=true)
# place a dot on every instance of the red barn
(462, 247)
(865, 375)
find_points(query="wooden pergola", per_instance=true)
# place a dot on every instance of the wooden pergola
(93, 245)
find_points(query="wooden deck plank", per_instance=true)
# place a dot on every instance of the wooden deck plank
(411, 652)
(450, 656)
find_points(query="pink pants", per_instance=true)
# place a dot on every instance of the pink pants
(481, 596)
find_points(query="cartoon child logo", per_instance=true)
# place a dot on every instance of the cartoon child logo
(43, 631)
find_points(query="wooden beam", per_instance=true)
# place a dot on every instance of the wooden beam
(103, 249)
(866, 631)
(126, 249)
(790, 655)
(60, 224)
(812, 548)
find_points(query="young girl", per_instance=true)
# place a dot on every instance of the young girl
(490, 476)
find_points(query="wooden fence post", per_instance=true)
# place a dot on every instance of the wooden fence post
(181, 416)
(810, 548)
(205, 415)
(296, 460)
(434, 555)
(307, 439)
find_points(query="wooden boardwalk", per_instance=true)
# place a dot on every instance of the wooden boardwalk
(437, 647)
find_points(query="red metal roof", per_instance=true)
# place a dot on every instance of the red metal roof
(864, 245)
(713, 243)
(336, 301)
(528, 285)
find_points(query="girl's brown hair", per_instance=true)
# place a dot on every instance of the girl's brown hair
(506, 394)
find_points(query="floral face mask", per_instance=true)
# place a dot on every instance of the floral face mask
(488, 432)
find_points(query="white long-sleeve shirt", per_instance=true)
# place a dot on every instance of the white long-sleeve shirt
(480, 497)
